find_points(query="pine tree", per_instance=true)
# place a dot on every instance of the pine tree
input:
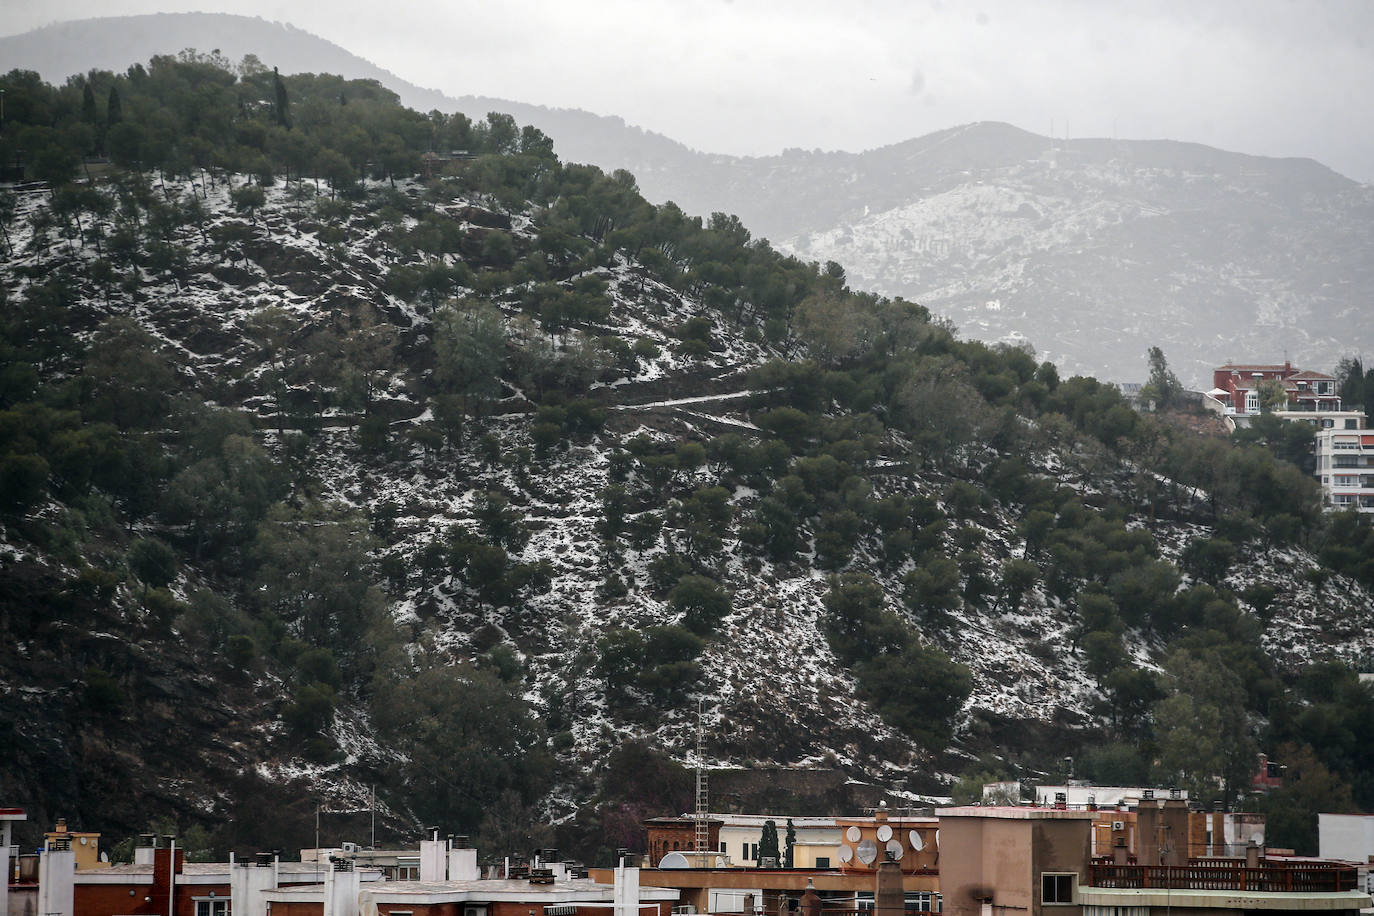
(789, 857)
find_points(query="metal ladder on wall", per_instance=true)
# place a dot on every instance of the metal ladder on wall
(703, 833)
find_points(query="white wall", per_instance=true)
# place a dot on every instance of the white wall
(1346, 836)
(56, 882)
(246, 886)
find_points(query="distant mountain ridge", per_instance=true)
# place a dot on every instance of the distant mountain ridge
(1092, 249)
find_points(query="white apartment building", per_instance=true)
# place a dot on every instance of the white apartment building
(1345, 467)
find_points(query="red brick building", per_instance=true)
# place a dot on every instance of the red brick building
(1237, 387)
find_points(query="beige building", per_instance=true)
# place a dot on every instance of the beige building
(1038, 861)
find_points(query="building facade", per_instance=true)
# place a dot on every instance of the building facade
(1038, 861)
(1345, 467)
(1237, 386)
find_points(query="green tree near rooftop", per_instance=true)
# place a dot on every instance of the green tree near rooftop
(1163, 386)
(768, 843)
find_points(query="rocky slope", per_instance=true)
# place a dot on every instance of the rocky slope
(773, 690)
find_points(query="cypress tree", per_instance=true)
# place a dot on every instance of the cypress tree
(768, 843)
(88, 113)
(279, 88)
(114, 109)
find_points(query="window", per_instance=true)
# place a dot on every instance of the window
(722, 847)
(1350, 423)
(1252, 402)
(212, 907)
(822, 861)
(1057, 888)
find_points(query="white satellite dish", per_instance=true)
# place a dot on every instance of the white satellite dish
(846, 854)
(853, 834)
(884, 833)
(868, 852)
(674, 860)
(916, 842)
(894, 849)
(937, 839)
(1257, 838)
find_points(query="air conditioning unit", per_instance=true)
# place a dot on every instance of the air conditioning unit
(1118, 825)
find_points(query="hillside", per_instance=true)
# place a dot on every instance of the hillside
(1102, 247)
(314, 484)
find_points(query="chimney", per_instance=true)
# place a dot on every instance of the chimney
(56, 878)
(143, 853)
(1147, 830)
(811, 901)
(1252, 855)
(1174, 816)
(626, 892)
(462, 862)
(341, 886)
(888, 896)
(167, 864)
(247, 884)
(433, 856)
(1120, 854)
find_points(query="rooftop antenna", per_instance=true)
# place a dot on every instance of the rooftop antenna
(372, 841)
(702, 832)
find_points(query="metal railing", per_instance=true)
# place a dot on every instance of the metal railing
(1220, 875)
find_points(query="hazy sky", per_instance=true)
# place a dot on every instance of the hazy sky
(1273, 77)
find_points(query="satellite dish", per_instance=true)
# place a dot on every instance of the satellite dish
(674, 860)
(937, 841)
(894, 849)
(868, 852)
(916, 842)
(846, 854)
(1257, 838)
(720, 862)
(884, 833)
(852, 834)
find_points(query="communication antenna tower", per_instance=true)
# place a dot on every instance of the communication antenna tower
(703, 834)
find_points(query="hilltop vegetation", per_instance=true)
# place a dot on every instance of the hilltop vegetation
(466, 487)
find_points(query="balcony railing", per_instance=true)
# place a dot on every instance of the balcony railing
(1220, 876)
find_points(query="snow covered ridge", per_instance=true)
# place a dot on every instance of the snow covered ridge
(1093, 253)
(775, 691)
